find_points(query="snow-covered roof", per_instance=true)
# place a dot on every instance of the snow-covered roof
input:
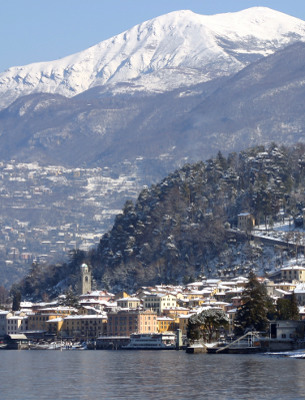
(55, 320)
(224, 287)
(220, 303)
(240, 279)
(19, 318)
(283, 292)
(160, 295)
(128, 299)
(232, 311)
(25, 304)
(293, 268)
(212, 281)
(227, 283)
(300, 289)
(79, 317)
(59, 308)
(165, 319)
(186, 316)
(199, 283)
(18, 336)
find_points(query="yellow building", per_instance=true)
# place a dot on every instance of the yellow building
(121, 295)
(196, 302)
(84, 326)
(183, 320)
(54, 325)
(39, 321)
(166, 324)
(174, 312)
(199, 294)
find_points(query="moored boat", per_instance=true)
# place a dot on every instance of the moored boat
(154, 341)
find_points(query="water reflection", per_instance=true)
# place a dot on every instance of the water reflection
(145, 375)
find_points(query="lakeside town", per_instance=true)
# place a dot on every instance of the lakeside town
(158, 315)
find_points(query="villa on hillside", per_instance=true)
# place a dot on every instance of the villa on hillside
(293, 273)
(245, 221)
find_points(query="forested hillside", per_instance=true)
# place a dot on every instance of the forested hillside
(179, 229)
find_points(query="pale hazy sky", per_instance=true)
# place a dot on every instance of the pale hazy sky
(40, 30)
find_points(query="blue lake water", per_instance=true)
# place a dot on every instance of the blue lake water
(145, 375)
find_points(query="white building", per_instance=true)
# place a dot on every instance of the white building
(158, 302)
(293, 273)
(299, 292)
(129, 302)
(16, 324)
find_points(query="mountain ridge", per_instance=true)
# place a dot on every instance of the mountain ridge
(156, 54)
(262, 102)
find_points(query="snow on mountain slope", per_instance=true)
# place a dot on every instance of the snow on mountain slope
(160, 54)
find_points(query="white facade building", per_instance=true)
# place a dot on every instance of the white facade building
(16, 324)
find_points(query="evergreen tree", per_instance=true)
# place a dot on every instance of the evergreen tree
(194, 329)
(16, 301)
(206, 324)
(3, 296)
(294, 308)
(254, 309)
(287, 309)
(71, 300)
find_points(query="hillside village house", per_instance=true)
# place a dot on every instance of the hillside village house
(120, 295)
(236, 302)
(198, 294)
(89, 310)
(245, 221)
(293, 273)
(129, 302)
(174, 312)
(99, 295)
(158, 302)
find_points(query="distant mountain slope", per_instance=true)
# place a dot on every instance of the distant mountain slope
(160, 54)
(179, 228)
(260, 104)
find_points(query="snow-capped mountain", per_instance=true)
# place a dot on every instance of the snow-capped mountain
(160, 54)
(160, 132)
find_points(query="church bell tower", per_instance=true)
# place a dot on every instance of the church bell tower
(85, 279)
